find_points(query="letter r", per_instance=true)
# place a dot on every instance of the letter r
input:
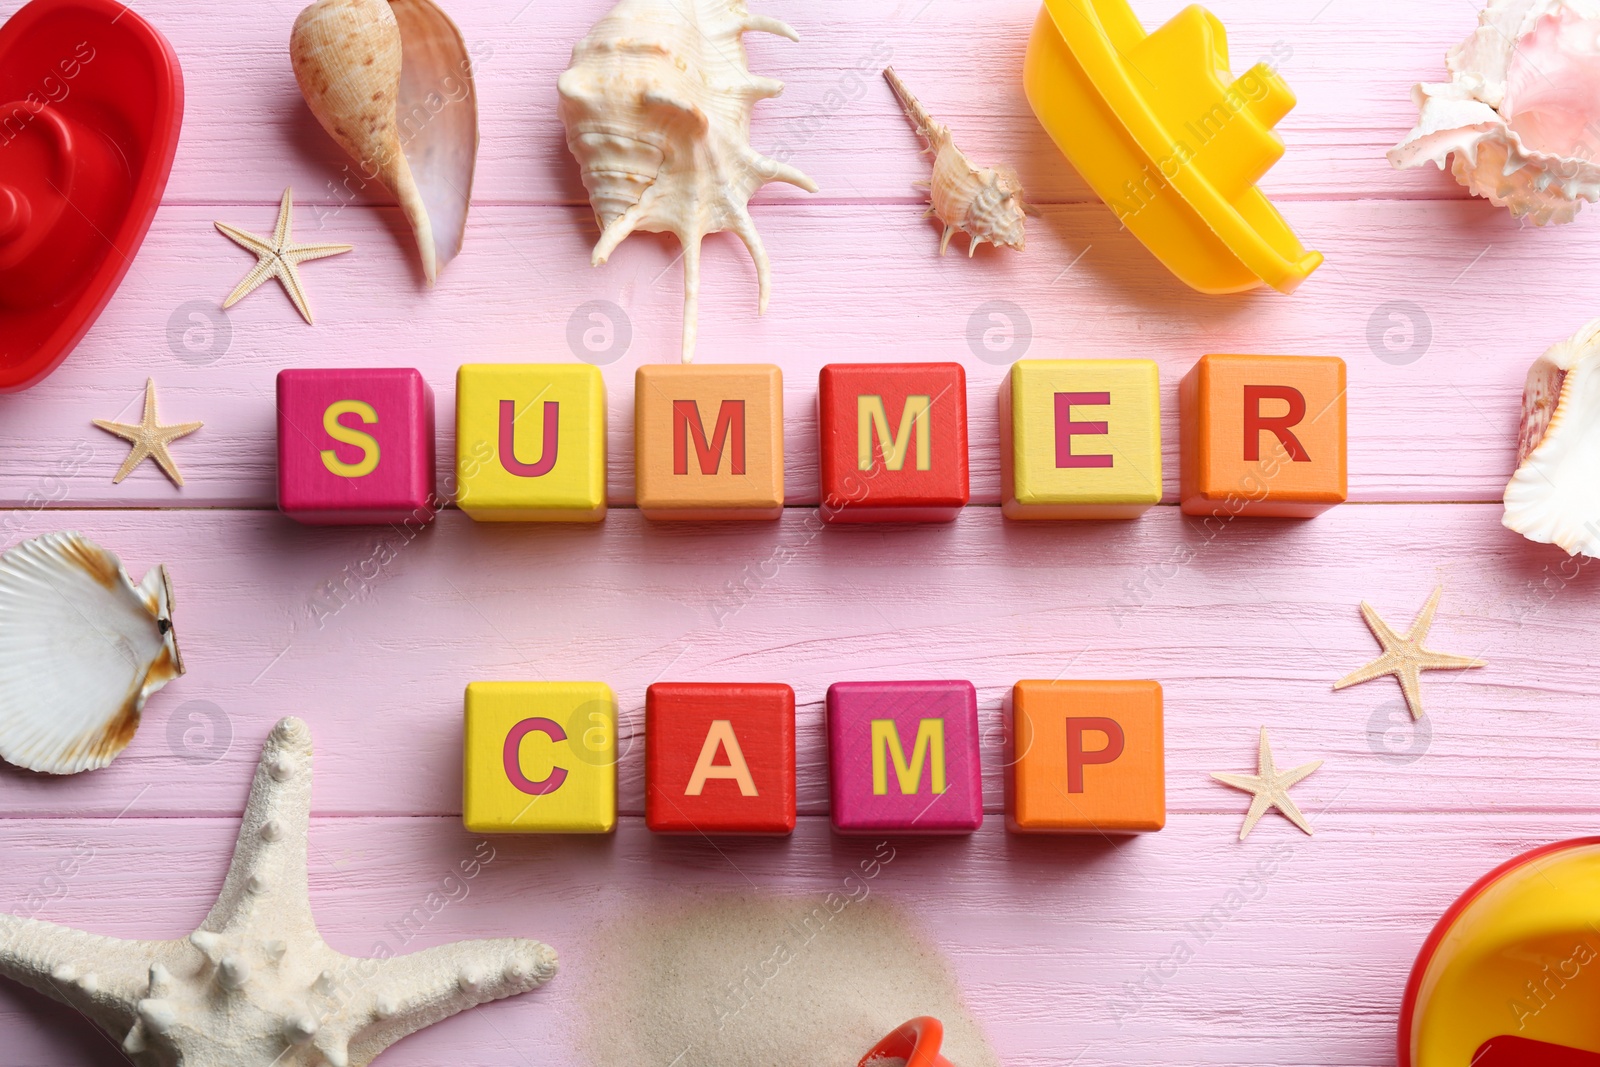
(1078, 759)
(1278, 425)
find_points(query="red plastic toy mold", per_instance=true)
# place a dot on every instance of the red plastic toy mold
(91, 102)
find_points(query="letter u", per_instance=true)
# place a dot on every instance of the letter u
(508, 440)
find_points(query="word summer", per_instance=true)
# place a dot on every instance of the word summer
(1086, 757)
(1080, 439)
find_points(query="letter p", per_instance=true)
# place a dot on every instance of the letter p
(1078, 758)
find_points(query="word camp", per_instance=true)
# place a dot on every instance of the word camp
(1081, 439)
(1084, 757)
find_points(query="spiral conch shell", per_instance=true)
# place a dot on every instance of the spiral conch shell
(81, 649)
(391, 81)
(985, 203)
(1555, 495)
(657, 106)
(1521, 113)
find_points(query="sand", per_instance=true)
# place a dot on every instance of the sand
(746, 981)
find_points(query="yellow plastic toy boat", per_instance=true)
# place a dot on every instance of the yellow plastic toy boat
(1168, 139)
(1511, 975)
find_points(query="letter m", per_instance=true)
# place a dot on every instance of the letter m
(929, 748)
(686, 422)
(872, 421)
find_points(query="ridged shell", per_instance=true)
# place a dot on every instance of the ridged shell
(1554, 497)
(81, 648)
(391, 81)
(985, 203)
(1521, 113)
(657, 106)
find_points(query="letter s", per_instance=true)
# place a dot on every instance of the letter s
(347, 436)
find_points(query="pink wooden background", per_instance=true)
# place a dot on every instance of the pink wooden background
(1438, 303)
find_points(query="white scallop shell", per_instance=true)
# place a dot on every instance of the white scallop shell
(1521, 113)
(81, 648)
(1555, 495)
(657, 106)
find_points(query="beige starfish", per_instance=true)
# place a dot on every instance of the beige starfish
(150, 439)
(1271, 788)
(277, 258)
(1404, 657)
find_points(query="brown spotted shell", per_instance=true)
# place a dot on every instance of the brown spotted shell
(81, 649)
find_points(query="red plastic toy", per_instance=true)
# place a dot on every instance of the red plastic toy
(91, 102)
(917, 1042)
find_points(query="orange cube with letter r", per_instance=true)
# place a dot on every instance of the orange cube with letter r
(1263, 435)
(1087, 757)
(708, 442)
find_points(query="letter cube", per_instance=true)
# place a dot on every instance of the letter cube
(1080, 439)
(1263, 435)
(719, 759)
(904, 757)
(708, 441)
(355, 447)
(893, 442)
(540, 758)
(1086, 758)
(531, 442)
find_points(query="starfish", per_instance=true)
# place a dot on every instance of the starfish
(1271, 788)
(150, 438)
(255, 986)
(277, 258)
(1404, 657)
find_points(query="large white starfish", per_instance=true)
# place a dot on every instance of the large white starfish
(256, 986)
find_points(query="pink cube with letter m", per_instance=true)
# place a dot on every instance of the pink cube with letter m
(355, 447)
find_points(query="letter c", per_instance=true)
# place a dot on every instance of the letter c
(513, 762)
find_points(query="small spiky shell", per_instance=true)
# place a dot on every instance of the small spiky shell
(657, 106)
(985, 203)
(1554, 497)
(391, 81)
(1517, 121)
(81, 649)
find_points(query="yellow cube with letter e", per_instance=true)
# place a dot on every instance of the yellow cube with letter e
(540, 758)
(531, 442)
(1080, 439)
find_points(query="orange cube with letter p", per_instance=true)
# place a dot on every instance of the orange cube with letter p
(1263, 435)
(540, 758)
(1087, 757)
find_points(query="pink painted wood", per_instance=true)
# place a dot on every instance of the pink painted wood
(1436, 302)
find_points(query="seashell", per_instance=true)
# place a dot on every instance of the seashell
(1554, 497)
(1520, 112)
(985, 203)
(657, 106)
(81, 648)
(391, 81)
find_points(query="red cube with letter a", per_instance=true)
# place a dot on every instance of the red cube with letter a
(893, 441)
(719, 758)
(1263, 435)
(355, 446)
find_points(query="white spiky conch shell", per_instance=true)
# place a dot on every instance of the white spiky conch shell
(1521, 113)
(1554, 497)
(657, 106)
(391, 81)
(81, 649)
(985, 203)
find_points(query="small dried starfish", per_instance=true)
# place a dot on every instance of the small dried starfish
(277, 258)
(1271, 788)
(256, 986)
(1404, 657)
(150, 439)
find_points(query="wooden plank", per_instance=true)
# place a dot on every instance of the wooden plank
(372, 635)
(1436, 360)
(1351, 64)
(1064, 950)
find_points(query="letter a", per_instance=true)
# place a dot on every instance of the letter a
(721, 736)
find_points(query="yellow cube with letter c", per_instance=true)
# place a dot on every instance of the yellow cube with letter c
(540, 758)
